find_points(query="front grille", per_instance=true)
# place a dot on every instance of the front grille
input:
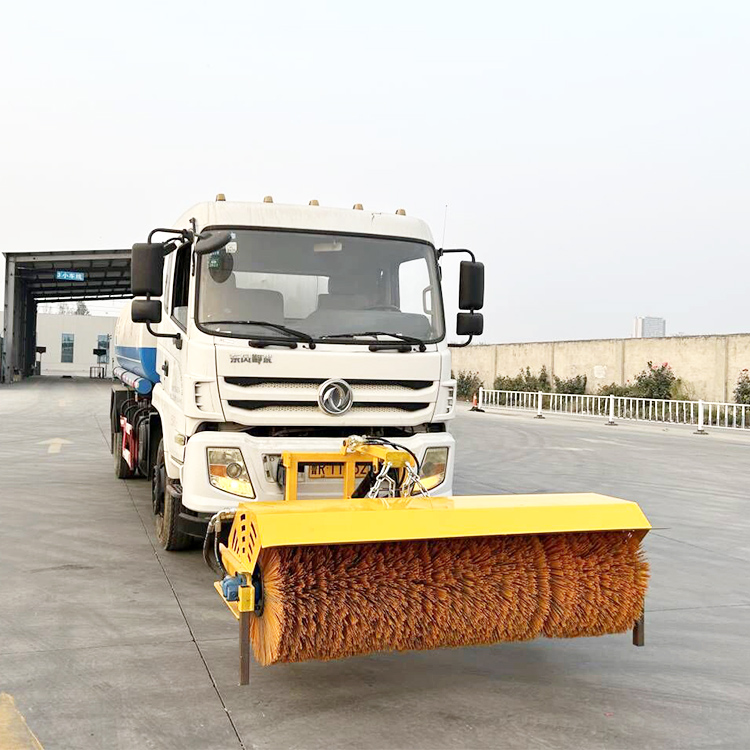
(249, 382)
(254, 405)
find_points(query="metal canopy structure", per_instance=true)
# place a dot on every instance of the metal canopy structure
(55, 276)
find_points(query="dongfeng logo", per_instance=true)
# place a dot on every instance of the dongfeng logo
(335, 397)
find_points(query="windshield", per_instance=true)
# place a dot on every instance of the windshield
(322, 285)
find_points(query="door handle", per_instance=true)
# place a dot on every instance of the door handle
(165, 368)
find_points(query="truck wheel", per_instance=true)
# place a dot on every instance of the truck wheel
(122, 470)
(166, 507)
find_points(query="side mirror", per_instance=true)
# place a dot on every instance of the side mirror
(210, 242)
(469, 324)
(147, 270)
(471, 286)
(146, 311)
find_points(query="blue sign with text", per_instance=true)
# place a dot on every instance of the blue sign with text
(70, 275)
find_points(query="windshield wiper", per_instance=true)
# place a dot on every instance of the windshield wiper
(400, 336)
(301, 335)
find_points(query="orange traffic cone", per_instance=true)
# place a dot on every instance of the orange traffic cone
(475, 404)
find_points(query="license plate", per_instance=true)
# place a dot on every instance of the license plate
(335, 471)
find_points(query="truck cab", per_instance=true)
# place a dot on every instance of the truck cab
(278, 328)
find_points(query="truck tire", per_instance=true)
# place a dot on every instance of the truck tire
(166, 507)
(122, 470)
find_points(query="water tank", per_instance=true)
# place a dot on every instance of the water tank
(135, 347)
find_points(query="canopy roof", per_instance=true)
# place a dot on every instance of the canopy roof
(73, 275)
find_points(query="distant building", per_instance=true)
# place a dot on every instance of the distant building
(649, 328)
(70, 340)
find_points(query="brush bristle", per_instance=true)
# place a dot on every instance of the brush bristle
(329, 602)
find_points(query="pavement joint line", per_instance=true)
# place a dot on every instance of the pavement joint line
(179, 605)
(697, 546)
(185, 618)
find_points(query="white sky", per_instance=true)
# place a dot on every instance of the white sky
(595, 155)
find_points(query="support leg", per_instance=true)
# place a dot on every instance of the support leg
(639, 631)
(244, 648)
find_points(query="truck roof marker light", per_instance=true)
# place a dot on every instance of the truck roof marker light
(357, 206)
(313, 202)
(220, 197)
(400, 212)
(268, 199)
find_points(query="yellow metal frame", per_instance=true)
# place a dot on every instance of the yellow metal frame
(349, 456)
(363, 520)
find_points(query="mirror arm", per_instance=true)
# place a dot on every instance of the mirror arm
(185, 234)
(176, 336)
(443, 251)
(465, 343)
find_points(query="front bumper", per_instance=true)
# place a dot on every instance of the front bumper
(200, 496)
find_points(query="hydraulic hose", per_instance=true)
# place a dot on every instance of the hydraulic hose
(211, 553)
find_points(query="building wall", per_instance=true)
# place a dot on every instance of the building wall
(85, 329)
(708, 365)
(645, 328)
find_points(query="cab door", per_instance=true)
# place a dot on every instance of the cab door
(172, 360)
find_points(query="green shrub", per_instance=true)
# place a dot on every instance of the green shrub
(576, 384)
(615, 390)
(655, 382)
(467, 384)
(742, 390)
(524, 381)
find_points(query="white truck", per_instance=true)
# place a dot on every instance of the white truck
(259, 328)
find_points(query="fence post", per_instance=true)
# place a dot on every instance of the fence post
(480, 400)
(700, 430)
(539, 414)
(611, 420)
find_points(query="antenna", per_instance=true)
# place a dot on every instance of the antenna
(445, 221)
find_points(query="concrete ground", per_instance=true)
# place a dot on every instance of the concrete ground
(108, 642)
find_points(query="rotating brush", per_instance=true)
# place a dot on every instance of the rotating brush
(334, 601)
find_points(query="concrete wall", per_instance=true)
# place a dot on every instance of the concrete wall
(707, 365)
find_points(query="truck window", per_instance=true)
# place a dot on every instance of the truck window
(181, 286)
(300, 292)
(415, 291)
(325, 285)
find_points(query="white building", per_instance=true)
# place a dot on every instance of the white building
(70, 341)
(649, 328)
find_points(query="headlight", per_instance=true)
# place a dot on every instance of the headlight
(434, 466)
(227, 471)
